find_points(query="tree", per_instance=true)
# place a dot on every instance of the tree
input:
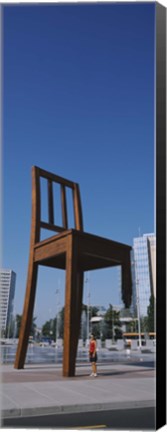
(144, 324)
(93, 311)
(49, 327)
(18, 325)
(133, 326)
(33, 327)
(10, 328)
(151, 315)
(111, 317)
(54, 327)
(61, 323)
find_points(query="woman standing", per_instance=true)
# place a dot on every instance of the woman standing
(93, 355)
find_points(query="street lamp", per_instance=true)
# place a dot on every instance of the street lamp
(113, 325)
(137, 303)
(57, 315)
(88, 306)
(115, 310)
(138, 313)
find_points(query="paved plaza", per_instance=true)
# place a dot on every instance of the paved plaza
(41, 389)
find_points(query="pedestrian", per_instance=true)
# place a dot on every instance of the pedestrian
(93, 355)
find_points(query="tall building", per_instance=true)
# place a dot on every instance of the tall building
(152, 262)
(7, 292)
(144, 271)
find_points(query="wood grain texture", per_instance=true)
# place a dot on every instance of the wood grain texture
(73, 250)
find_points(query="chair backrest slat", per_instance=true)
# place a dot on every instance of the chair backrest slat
(55, 178)
(50, 224)
(50, 227)
(64, 207)
(50, 202)
(77, 208)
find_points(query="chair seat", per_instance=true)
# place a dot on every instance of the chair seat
(93, 252)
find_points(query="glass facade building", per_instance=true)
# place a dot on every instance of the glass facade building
(7, 292)
(143, 271)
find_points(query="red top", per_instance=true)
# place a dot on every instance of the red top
(92, 346)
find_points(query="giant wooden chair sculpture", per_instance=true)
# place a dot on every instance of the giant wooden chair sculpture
(72, 250)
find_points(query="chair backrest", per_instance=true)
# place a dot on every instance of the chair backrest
(50, 224)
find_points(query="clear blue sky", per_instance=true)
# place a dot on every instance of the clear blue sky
(78, 100)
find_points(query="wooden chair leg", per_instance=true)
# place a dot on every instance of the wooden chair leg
(126, 281)
(73, 308)
(27, 316)
(79, 297)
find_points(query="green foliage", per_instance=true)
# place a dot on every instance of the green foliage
(144, 324)
(96, 330)
(50, 329)
(109, 327)
(93, 311)
(9, 329)
(118, 333)
(33, 327)
(61, 323)
(18, 325)
(112, 316)
(113, 323)
(151, 315)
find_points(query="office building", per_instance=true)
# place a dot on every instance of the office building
(152, 262)
(7, 292)
(143, 271)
